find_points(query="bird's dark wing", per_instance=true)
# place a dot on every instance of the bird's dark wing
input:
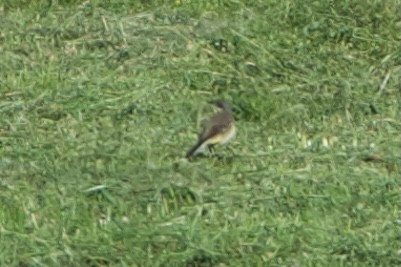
(218, 124)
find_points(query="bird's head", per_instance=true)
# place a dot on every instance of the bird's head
(221, 104)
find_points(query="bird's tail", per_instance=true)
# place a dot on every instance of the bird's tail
(194, 149)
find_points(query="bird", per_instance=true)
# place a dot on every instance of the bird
(219, 129)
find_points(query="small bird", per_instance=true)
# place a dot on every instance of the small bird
(220, 129)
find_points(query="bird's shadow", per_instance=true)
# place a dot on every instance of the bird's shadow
(218, 157)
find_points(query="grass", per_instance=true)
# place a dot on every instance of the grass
(100, 100)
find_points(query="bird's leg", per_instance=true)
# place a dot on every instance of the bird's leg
(211, 149)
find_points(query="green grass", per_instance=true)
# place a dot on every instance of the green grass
(99, 101)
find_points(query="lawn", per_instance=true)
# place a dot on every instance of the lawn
(100, 100)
